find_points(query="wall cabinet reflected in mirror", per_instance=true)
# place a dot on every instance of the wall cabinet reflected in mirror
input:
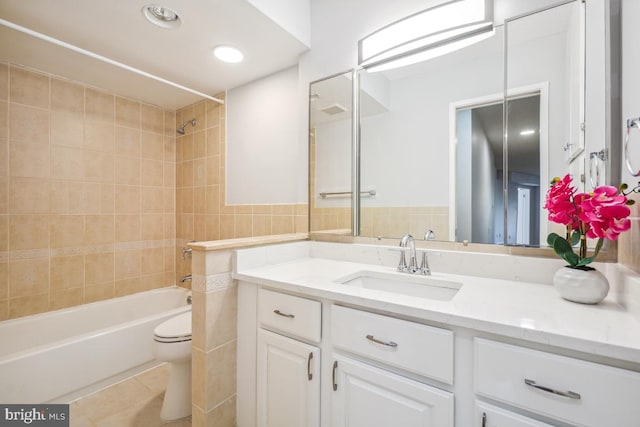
(455, 145)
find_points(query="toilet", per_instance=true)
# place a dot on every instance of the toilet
(172, 344)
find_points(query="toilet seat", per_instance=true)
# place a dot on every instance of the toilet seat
(176, 329)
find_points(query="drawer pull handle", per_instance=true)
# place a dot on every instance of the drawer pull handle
(377, 341)
(279, 313)
(309, 374)
(569, 394)
(484, 419)
(333, 375)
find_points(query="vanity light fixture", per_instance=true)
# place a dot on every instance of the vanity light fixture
(436, 31)
(527, 132)
(161, 16)
(228, 54)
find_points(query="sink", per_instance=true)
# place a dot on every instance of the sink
(404, 284)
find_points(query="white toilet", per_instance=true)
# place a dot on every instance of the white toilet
(172, 344)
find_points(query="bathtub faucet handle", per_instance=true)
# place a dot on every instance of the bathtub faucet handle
(186, 251)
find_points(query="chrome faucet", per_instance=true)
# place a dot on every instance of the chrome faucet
(412, 268)
(185, 252)
(424, 265)
(186, 279)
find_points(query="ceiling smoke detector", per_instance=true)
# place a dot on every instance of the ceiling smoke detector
(161, 16)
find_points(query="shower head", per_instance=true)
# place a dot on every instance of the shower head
(180, 130)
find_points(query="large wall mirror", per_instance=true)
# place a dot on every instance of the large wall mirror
(464, 144)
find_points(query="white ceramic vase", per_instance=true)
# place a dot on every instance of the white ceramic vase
(582, 286)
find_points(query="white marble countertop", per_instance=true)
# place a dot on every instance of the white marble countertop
(514, 308)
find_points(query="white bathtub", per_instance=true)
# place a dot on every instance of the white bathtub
(61, 355)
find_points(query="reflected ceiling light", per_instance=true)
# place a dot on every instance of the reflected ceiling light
(161, 16)
(526, 132)
(440, 29)
(228, 54)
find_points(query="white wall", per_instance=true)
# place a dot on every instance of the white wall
(333, 162)
(266, 163)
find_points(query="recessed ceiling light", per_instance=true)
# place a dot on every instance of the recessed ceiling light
(527, 132)
(228, 54)
(161, 16)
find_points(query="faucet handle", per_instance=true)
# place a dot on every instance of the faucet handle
(424, 266)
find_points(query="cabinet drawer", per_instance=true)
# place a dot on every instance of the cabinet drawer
(292, 315)
(591, 394)
(421, 349)
(491, 416)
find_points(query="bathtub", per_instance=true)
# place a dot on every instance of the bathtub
(58, 356)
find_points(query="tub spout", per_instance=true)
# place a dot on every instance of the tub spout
(186, 279)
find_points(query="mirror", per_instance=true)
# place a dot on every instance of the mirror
(330, 131)
(417, 174)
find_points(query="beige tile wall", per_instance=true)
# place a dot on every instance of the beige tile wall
(201, 210)
(214, 346)
(87, 193)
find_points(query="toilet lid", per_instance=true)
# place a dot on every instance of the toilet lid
(176, 327)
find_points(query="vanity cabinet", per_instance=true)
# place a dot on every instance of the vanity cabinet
(287, 368)
(367, 396)
(569, 390)
(288, 382)
(306, 362)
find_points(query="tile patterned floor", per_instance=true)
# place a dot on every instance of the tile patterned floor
(134, 402)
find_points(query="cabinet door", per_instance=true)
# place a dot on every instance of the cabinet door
(288, 382)
(491, 416)
(366, 396)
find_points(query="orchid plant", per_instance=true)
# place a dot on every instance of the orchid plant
(602, 214)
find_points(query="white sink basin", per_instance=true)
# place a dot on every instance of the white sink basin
(404, 284)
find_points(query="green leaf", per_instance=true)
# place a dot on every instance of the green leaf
(564, 250)
(589, 260)
(552, 238)
(575, 237)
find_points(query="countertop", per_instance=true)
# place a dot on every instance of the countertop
(513, 308)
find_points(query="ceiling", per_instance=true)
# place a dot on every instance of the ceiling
(117, 30)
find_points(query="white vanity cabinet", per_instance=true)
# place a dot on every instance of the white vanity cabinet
(317, 361)
(287, 369)
(569, 390)
(371, 396)
(288, 382)
(366, 396)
